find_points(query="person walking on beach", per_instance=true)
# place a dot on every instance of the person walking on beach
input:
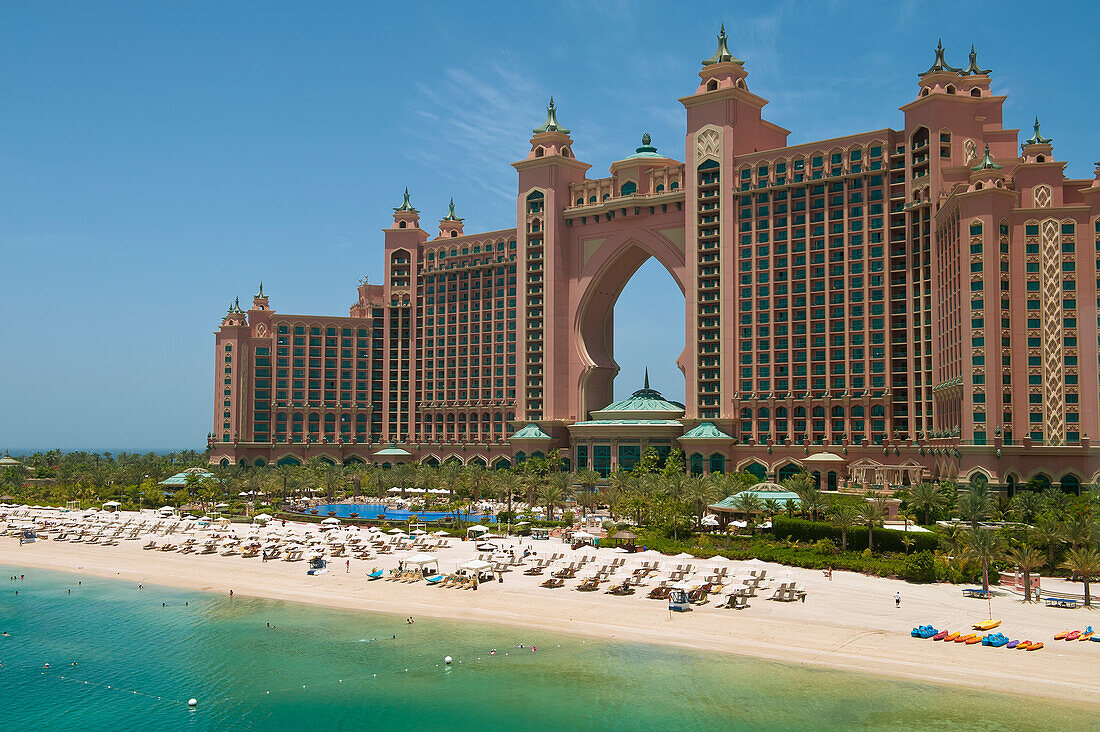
(897, 600)
(347, 565)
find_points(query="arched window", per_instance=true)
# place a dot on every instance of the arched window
(696, 464)
(950, 89)
(925, 91)
(717, 463)
(401, 225)
(712, 85)
(539, 151)
(629, 188)
(975, 92)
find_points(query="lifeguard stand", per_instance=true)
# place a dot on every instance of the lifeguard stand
(678, 600)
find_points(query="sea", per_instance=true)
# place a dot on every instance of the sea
(122, 657)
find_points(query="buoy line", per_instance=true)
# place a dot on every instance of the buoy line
(113, 687)
(448, 663)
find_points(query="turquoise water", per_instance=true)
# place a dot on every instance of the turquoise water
(371, 510)
(322, 669)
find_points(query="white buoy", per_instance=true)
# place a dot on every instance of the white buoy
(447, 660)
(192, 702)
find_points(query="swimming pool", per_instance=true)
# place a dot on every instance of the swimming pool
(372, 510)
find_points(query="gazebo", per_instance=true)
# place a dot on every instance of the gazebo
(626, 540)
(727, 508)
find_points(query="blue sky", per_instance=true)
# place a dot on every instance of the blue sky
(158, 159)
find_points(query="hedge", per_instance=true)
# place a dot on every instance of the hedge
(887, 540)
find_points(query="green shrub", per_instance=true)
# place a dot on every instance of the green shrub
(825, 547)
(920, 568)
(568, 518)
(886, 540)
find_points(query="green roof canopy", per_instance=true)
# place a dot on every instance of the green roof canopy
(646, 150)
(530, 432)
(393, 451)
(706, 431)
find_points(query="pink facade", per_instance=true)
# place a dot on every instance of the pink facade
(881, 307)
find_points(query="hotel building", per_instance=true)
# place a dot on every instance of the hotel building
(879, 308)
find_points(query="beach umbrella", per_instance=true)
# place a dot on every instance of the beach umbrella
(395, 531)
(331, 521)
(419, 532)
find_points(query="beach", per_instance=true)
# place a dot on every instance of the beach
(848, 622)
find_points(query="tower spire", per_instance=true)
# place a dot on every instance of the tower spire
(939, 64)
(406, 205)
(551, 124)
(987, 162)
(646, 377)
(261, 292)
(974, 69)
(722, 55)
(1037, 138)
(451, 215)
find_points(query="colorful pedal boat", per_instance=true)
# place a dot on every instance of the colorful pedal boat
(986, 625)
(952, 637)
(1012, 644)
(1035, 646)
(1024, 645)
(1074, 635)
(941, 635)
(923, 631)
(996, 640)
(1062, 635)
(965, 638)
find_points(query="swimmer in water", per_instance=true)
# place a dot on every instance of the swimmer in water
(493, 652)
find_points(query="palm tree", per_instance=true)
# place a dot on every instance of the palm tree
(550, 495)
(564, 483)
(772, 507)
(926, 497)
(749, 504)
(1027, 505)
(983, 546)
(872, 512)
(845, 516)
(1026, 558)
(1048, 529)
(1083, 563)
(698, 493)
(1078, 531)
(588, 480)
(975, 505)
(508, 484)
(1056, 501)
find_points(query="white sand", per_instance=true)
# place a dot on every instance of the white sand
(847, 623)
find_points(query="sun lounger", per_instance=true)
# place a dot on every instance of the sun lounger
(150, 545)
(659, 593)
(1061, 602)
(552, 583)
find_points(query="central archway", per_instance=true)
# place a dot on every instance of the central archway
(603, 278)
